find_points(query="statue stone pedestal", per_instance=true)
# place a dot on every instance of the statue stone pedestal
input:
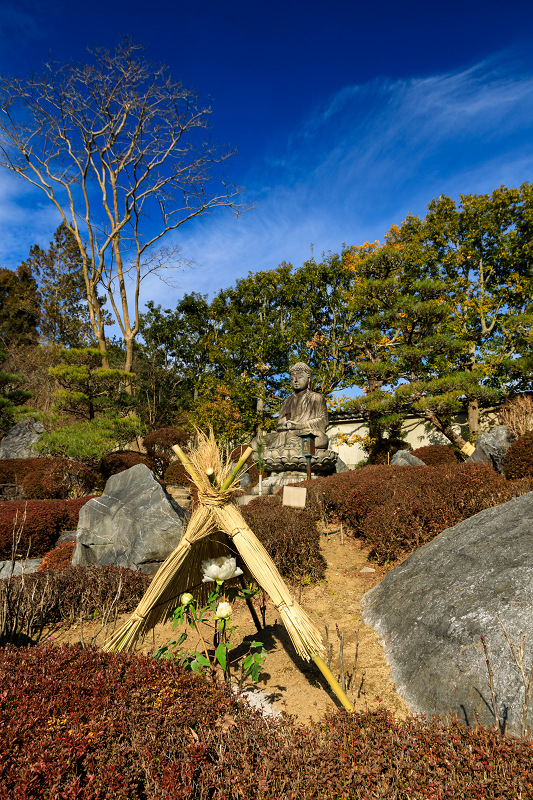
(322, 463)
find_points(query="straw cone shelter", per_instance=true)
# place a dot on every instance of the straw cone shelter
(216, 528)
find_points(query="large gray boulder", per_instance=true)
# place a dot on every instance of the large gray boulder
(491, 447)
(134, 524)
(432, 610)
(403, 458)
(18, 441)
(7, 568)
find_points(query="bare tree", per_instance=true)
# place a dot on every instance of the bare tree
(122, 152)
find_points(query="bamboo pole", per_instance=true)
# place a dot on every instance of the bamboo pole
(328, 675)
(236, 469)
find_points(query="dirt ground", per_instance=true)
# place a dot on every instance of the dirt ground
(291, 684)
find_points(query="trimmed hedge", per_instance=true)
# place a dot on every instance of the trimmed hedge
(80, 723)
(48, 478)
(397, 510)
(289, 535)
(518, 461)
(42, 522)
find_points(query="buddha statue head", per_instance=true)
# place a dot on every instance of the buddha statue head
(300, 375)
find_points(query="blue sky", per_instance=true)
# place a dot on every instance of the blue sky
(346, 115)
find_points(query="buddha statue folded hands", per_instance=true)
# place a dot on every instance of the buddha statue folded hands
(303, 412)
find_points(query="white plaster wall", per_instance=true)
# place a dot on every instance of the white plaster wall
(416, 432)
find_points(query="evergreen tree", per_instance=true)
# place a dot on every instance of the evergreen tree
(88, 389)
(12, 395)
(19, 307)
(64, 311)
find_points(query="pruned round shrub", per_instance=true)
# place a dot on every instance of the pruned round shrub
(434, 454)
(176, 475)
(289, 535)
(159, 443)
(121, 460)
(48, 478)
(57, 478)
(518, 461)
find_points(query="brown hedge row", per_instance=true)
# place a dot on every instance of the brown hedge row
(396, 509)
(290, 536)
(48, 478)
(80, 723)
(40, 522)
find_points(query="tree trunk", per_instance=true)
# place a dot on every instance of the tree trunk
(473, 415)
(447, 430)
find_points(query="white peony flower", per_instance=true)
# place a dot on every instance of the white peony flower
(220, 569)
(224, 610)
(186, 599)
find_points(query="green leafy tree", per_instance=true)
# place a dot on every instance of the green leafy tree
(445, 310)
(173, 358)
(481, 247)
(12, 396)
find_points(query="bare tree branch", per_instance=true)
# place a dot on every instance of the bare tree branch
(121, 150)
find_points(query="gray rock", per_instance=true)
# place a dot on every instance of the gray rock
(492, 446)
(28, 566)
(432, 610)
(340, 466)
(134, 524)
(18, 441)
(67, 536)
(245, 480)
(403, 458)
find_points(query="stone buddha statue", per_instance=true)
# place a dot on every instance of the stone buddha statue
(303, 412)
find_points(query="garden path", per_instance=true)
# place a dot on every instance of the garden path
(291, 684)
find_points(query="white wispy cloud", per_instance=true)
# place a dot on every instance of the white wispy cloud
(352, 168)
(364, 160)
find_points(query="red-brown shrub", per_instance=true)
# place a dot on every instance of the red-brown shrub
(434, 454)
(41, 520)
(121, 460)
(44, 521)
(56, 478)
(159, 443)
(58, 558)
(518, 461)
(81, 723)
(289, 535)
(48, 478)
(177, 475)
(400, 509)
